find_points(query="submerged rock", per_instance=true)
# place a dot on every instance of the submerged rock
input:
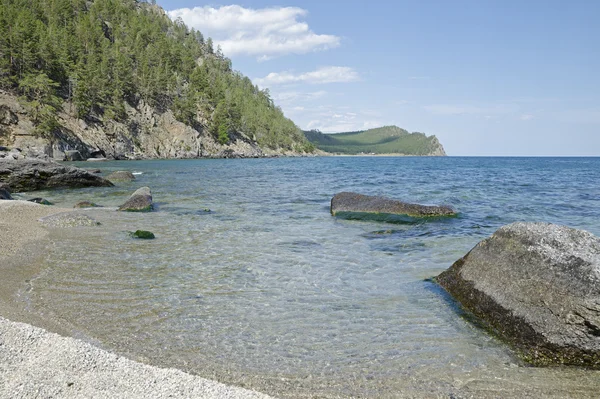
(86, 204)
(347, 204)
(143, 234)
(68, 219)
(34, 174)
(538, 286)
(120, 176)
(140, 201)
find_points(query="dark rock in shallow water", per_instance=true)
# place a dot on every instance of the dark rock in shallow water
(349, 204)
(5, 192)
(34, 174)
(41, 201)
(140, 201)
(68, 219)
(143, 234)
(120, 176)
(538, 286)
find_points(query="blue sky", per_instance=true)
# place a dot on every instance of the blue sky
(486, 77)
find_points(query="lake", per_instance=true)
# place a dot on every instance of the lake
(252, 282)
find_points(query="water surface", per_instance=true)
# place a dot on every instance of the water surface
(251, 281)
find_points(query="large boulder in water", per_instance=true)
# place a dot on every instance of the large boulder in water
(538, 286)
(349, 204)
(140, 201)
(34, 174)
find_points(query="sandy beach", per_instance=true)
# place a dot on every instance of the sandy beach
(35, 362)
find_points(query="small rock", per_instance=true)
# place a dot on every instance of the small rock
(140, 201)
(120, 176)
(143, 234)
(86, 204)
(68, 219)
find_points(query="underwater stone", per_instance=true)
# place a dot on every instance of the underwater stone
(143, 234)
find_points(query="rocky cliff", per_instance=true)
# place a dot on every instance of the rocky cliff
(145, 133)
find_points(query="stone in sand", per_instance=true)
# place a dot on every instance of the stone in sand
(34, 174)
(120, 176)
(538, 286)
(348, 203)
(140, 201)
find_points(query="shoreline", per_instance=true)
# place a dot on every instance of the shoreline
(36, 361)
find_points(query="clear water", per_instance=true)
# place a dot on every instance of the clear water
(251, 281)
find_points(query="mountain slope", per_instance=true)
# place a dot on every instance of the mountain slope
(383, 140)
(119, 66)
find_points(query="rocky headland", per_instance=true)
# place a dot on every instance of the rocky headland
(145, 133)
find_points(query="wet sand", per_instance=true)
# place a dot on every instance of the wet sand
(37, 363)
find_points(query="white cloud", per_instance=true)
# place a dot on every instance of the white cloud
(330, 74)
(263, 33)
(294, 96)
(526, 117)
(329, 121)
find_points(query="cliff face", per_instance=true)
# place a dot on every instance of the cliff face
(436, 149)
(145, 133)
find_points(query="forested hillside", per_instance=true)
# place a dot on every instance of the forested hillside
(96, 59)
(383, 140)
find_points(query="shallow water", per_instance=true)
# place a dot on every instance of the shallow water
(251, 281)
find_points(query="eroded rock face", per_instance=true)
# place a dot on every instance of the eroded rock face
(538, 286)
(73, 155)
(120, 176)
(34, 174)
(140, 201)
(348, 203)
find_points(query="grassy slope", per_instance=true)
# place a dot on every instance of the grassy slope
(383, 140)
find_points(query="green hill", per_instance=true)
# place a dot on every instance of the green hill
(97, 60)
(383, 140)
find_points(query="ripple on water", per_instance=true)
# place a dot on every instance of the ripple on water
(269, 291)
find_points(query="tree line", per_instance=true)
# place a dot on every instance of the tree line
(101, 55)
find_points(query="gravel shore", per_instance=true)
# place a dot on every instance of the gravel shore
(38, 363)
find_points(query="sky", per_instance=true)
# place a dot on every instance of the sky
(488, 78)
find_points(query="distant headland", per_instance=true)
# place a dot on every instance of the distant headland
(386, 140)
